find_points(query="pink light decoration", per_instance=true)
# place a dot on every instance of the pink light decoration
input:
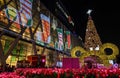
(43, 60)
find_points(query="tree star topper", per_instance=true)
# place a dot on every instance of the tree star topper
(89, 11)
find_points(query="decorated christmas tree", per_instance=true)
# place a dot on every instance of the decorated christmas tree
(92, 39)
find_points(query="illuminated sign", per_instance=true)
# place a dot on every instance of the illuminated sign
(23, 16)
(26, 12)
(68, 43)
(60, 39)
(46, 28)
(39, 36)
(11, 13)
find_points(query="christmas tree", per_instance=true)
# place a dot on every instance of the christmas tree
(92, 39)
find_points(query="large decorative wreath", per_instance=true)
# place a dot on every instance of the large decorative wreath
(77, 51)
(113, 47)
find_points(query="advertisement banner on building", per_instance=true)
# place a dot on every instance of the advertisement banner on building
(39, 38)
(11, 13)
(23, 16)
(46, 28)
(60, 39)
(26, 12)
(68, 42)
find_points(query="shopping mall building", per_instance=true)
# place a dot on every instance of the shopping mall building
(29, 29)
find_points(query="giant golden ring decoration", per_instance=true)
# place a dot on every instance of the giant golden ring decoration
(106, 62)
(77, 48)
(111, 46)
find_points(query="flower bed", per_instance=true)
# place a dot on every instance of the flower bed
(10, 75)
(62, 73)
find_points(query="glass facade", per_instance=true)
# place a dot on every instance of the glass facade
(48, 34)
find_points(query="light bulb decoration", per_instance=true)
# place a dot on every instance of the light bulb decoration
(89, 12)
(101, 53)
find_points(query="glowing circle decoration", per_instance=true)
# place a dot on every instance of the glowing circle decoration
(113, 47)
(77, 51)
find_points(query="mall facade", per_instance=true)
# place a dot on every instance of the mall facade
(28, 29)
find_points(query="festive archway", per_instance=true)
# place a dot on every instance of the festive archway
(112, 47)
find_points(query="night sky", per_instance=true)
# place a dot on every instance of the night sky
(106, 17)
